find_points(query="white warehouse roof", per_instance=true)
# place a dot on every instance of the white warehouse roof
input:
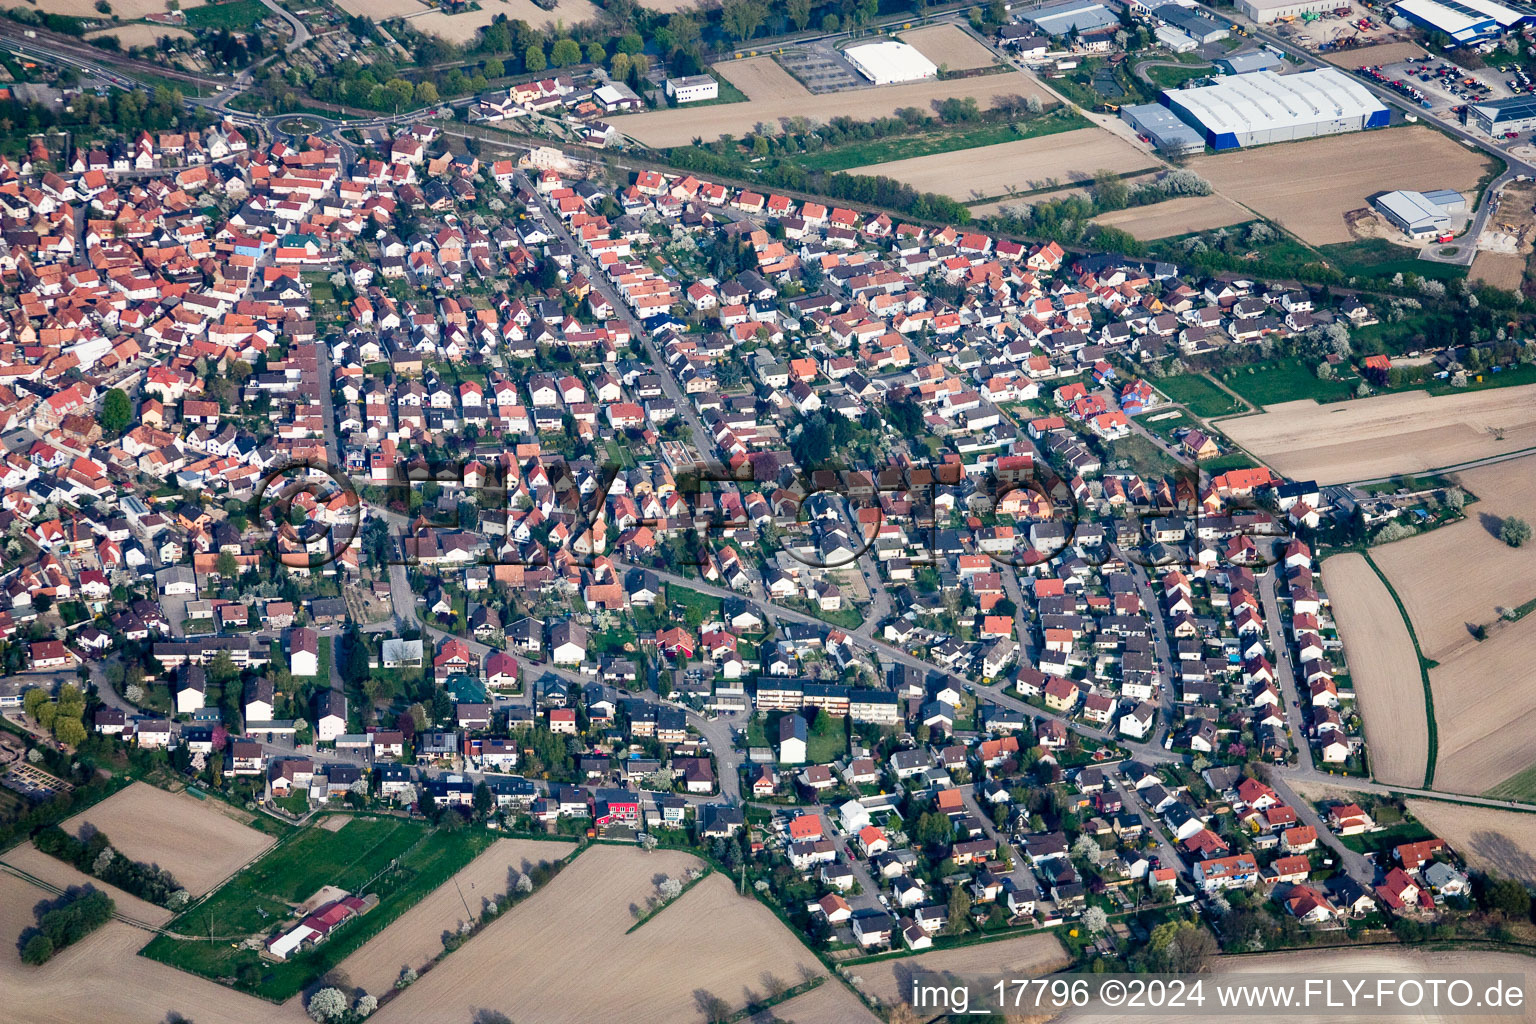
(1464, 12)
(1265, 100)
(890, 61)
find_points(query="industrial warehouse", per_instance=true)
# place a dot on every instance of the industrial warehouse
(1517, 114)
(1465, 21)
(1423, 214)
(887, 62)
(1263, 107)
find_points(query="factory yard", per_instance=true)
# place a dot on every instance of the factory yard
(1405, 432)
(1023, 957)
(1485, 711)
(1503, 842)
(417, 936)
(709, 942)
(1384, 667)
(774, 94)
(190, 838)
(949, 46)
(1341, 171)
(1462, 575)
(1016, 166)
(1176, 217)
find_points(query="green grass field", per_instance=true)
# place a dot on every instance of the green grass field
(1377, 257)
(1163, 422)
(235, 15)
(1521, 786)
(1147, 459)
(825, 741)
(1196, 393)
(398, 860)
(1285, 380)
(927, 143)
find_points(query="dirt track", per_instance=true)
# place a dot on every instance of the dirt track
(569, 938)
(1384, 669)
(1406, 432)
(774, 94)
(1021, 165)
(1308, 186)
(417, 935)
(188, 837)
(1177, 217)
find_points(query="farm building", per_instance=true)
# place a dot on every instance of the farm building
(1263, 12)
(1059, 19)
(1167, 132)
(887, 62)
(1263, 107)
(1249, 62)
(1465, 21)
(1421, 214)
(693, 88)
(1499, 116)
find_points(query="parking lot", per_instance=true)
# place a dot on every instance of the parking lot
(1445, 84)
(822, 71)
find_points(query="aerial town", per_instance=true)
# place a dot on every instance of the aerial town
(1023, 491)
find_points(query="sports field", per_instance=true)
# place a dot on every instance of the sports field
(399, 860)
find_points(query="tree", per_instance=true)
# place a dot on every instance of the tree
(959, 911)
(533, 57)
(227, 566)
(483, 800)
(37, 951)
(327, 1005)
(116, 412)
(670, 888)
(742, 18)
(595, 53)
(799, 12)
(33, 701)
(524, 885)
(1455, 499)
(1507, 897)
(1180, 947)
(1514, 531)
(366, 1004)
(494, 68)
(426, 92)
(565, 52)
(618, 67)
(69, 731)
(1095, 920)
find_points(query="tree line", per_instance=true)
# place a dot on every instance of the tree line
(71, 919)
(96, 856)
